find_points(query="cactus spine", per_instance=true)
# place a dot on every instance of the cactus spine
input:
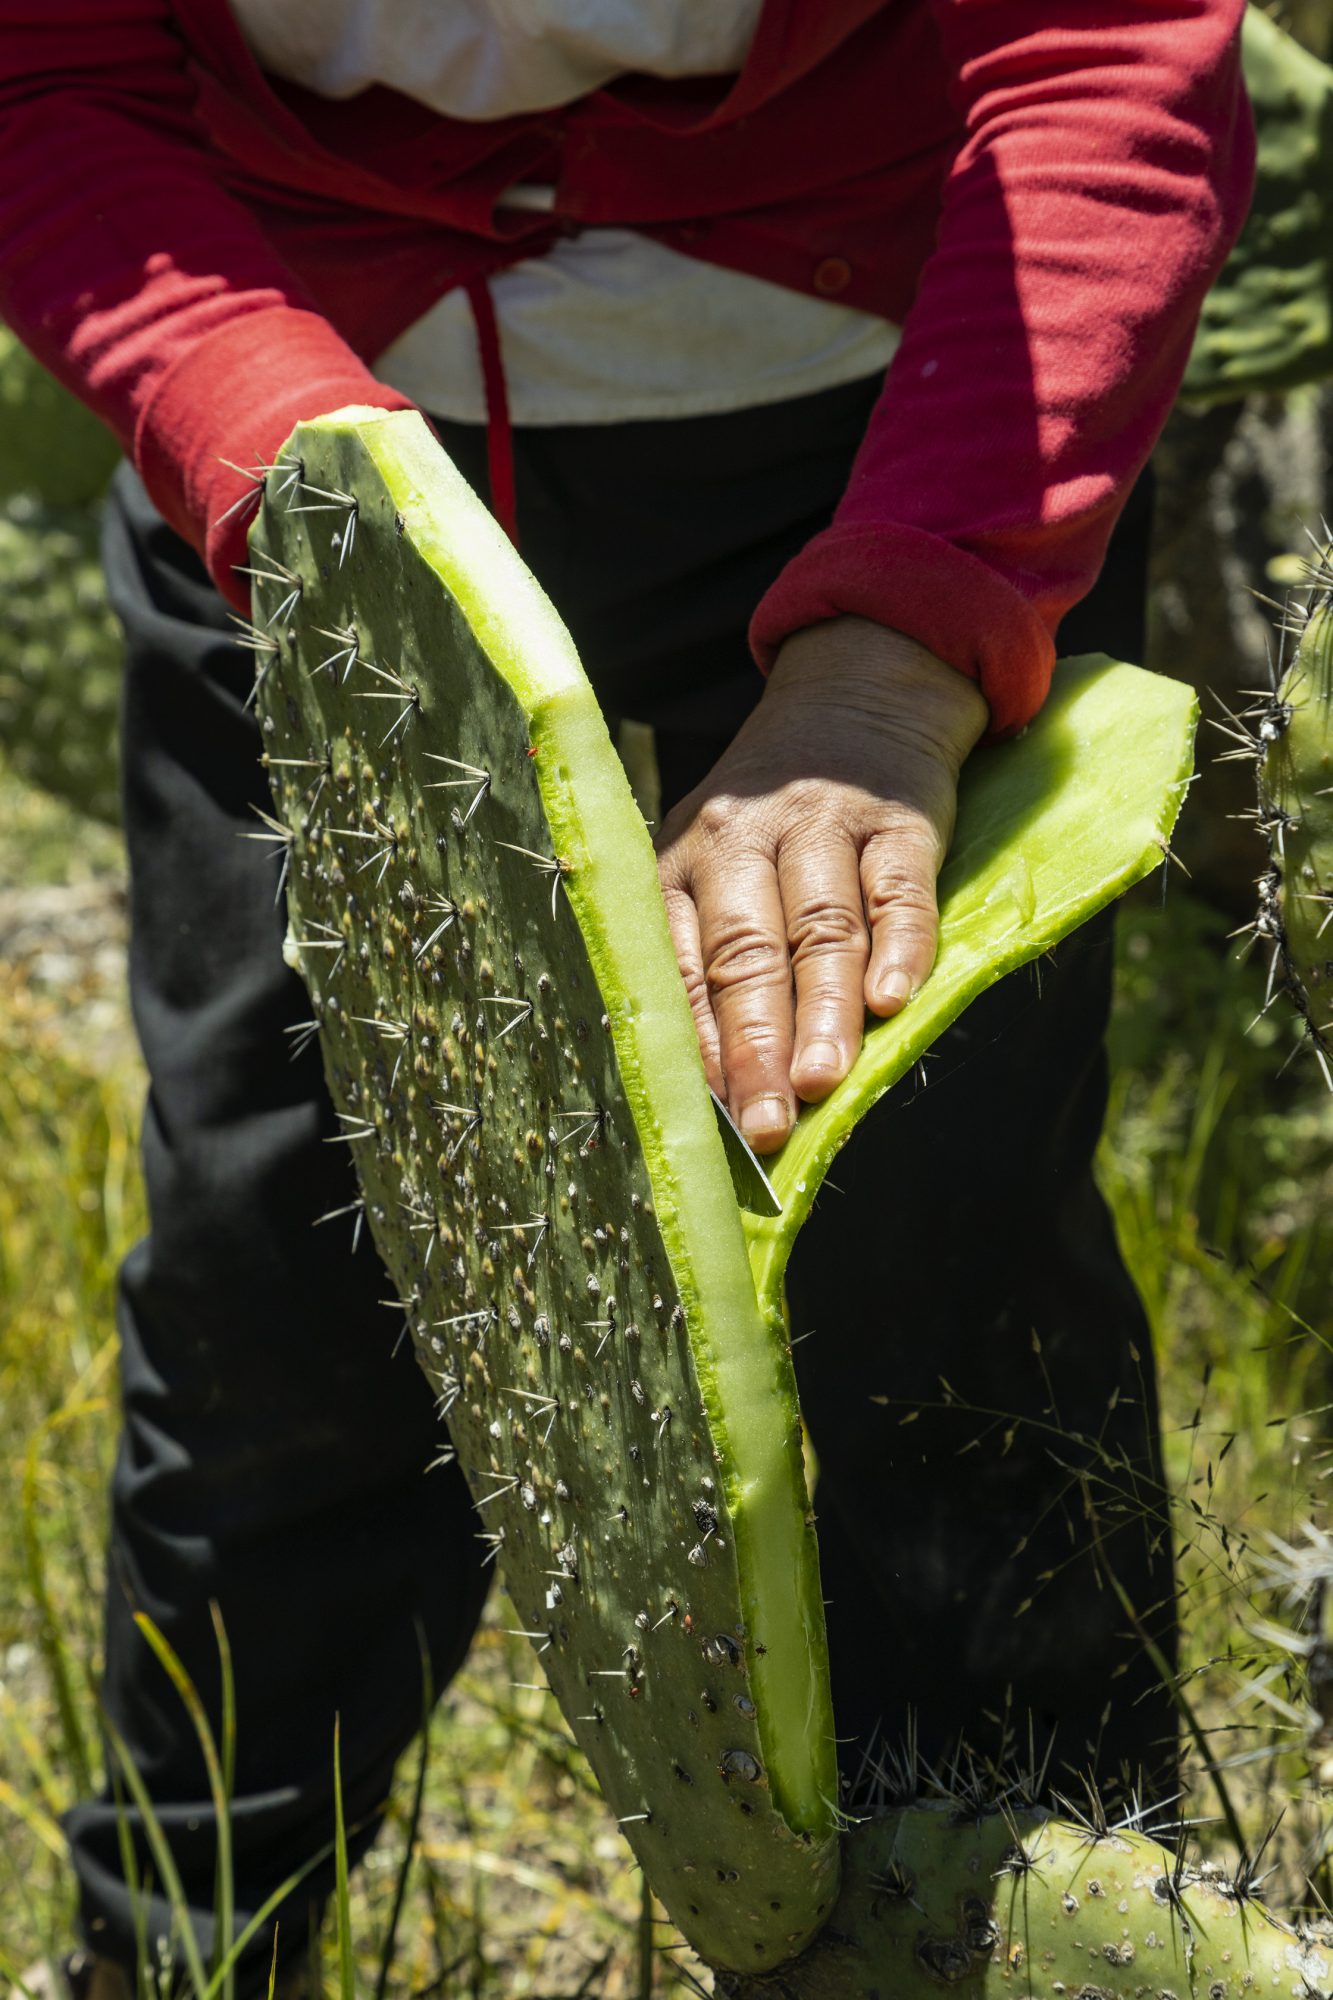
(1015, 1903)
(1296, 809)
(1288, 734)
(473, 904)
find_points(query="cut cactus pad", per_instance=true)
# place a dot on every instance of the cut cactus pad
(474, 906)
(1049, 830)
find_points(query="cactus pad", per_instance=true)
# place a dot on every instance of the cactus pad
(474, 906)
(50, 444)
(60, 656)
(1016, 1904)
(1290, 737)
(60, 647)
(1049, 830)
(473, 902)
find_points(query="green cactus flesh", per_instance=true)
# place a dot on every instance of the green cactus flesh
(514, 1062)
(1292, 736)
(1267, 324)
(935, 1897)
(1049, 829)
(50, 446)
(473, 903)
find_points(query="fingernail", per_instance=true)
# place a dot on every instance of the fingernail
(820, 1055)
(765, 1118)
(896, 986)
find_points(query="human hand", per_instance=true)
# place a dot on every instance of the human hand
(807, 859)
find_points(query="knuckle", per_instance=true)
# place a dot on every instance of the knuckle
(713, 817)
(809, 799)
(820, 930)
(907, 831)
(746, 959)
(753, 1045)
(897, 891)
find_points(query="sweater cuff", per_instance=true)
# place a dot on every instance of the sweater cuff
(951, 602)
(237, 395)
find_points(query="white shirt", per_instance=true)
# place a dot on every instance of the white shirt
(608, 325)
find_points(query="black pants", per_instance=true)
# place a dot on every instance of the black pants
(275, 1446)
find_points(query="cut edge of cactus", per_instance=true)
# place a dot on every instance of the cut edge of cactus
(1137, 737)
(613, 889)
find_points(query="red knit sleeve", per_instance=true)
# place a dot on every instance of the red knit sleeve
(1105, 172)
(137, 279)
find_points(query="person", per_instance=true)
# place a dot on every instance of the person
(848, 326)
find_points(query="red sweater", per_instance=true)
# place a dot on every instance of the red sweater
(206, 257)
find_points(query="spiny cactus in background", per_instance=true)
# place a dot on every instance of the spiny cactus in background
(60, 654)
(1288, 734)
(60, 647)
(50, 445)
(473, 904)
(1014, 1903)
(1267, 324)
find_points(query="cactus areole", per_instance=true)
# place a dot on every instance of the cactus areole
(1292, 741)
(473, 904)
(936, 1897)
(515, 1066)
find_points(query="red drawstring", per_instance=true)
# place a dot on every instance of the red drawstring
(499, 432)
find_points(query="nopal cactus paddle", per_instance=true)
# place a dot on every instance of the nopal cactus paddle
(60, 656)
(474, 906)
(60, 647)
(1017, 1904)
(1049, 830)
(51, 446)
(1297, 782)
(1288, 734)
(473, 902)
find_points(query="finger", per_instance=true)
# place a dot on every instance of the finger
(743, 936)
(826, 930)
(898, 870)
(683, 921)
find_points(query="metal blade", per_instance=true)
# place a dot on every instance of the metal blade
(754, 1190)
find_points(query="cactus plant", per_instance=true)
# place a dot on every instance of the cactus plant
(473, 904)
(60, 654)
(1288, 735)
(1296, 780)
(1017, 1903)
(51, 446)
(59, 644)
(1267, 323)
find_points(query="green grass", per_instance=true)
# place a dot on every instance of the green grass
(499, 1871)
